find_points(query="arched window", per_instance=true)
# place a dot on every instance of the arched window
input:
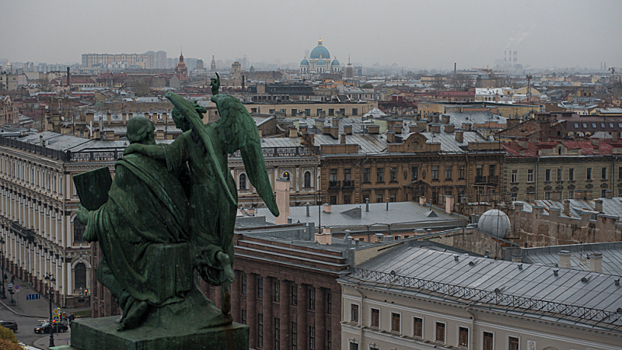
(286, 175)
(242, 182)
(78, 230)
(80, 276)
(307, 183)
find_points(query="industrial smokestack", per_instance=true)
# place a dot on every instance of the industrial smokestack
(454, 68)
(68, 78)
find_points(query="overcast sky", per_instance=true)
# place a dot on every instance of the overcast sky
(414, 34)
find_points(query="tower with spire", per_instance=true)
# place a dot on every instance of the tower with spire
(213, 65)
(181, 71)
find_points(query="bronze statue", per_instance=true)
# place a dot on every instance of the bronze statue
(171, 202)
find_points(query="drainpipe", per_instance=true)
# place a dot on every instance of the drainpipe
(471, 337)
(361, 317)
(536, 175)
(613, 166)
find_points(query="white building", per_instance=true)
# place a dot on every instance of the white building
(417, 298)
(319, 61)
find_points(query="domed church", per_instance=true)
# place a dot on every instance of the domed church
(319, 61)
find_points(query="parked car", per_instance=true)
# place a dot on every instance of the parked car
(9, 324)
(59, 327)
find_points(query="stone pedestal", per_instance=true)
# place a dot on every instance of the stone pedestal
(101, 334)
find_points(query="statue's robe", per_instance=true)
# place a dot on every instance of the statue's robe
(211, 214)
(143, 233)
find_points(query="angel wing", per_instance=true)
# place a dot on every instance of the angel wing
(237, 131)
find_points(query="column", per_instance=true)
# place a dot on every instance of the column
(268, 321)
(320, 318)
(251, 312)
(303, 341)
(284, 313)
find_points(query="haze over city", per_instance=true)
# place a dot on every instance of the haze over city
(413, 35)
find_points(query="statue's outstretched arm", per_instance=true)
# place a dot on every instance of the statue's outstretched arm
(152, 151)
(237, 131)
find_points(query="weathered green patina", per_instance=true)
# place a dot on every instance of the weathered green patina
(170, 214)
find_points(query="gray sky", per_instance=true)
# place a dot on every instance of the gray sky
(416, 34)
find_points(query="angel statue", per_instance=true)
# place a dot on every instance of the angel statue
(176, 216)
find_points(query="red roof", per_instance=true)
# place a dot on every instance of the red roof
(604, 147)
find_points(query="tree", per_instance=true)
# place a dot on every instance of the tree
(7, 335)
(8, 345)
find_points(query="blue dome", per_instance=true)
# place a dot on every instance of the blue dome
(319, 51)
(304, 62)
(320, 62)
(335, 62)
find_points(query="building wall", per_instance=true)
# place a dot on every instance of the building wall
(314, 109)
(539, 333)
(38, 205)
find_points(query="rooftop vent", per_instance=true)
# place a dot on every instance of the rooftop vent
(555, 272)
(616, 281)
(585, 279)
(471, 263)
(456, 258)
(520, 266)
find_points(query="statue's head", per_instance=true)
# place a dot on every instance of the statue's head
(180, 119)
(140, 129)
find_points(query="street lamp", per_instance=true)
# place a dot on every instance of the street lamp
(50, 279)
(2, 292)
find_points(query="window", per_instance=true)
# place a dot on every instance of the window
(461, 173)
(347, 174)
(308, 112)
(354, 346)
(559, 174)
(594, 125)
(243, 283)
(307, 179)
(491, 170)
(547, 177)
(440, 332)
(333, 200)
(294, 336)
(513, 343)
(80, 276)
(243, 316)
(435, 172)
(277, 291)
(584, 125)
(602, 125)
(514, 197)
(603, 193)
(277, 333)
(393, 175)
(514, 175)
(588, 173)
(603, 173)
(259, 330)
(331, 112)
(380, 175)
(418, 327)
(463, 336)
(570, 194)
(329, 302)
(375, 318)
(378, 198)
(395, 322)
(571, 174)
(354, 313)
(529, 175)
(78, 231)
(366, 177)
(488, 341)
(311, 338)
(447, 173)
(333, 175)
(414, 173)
(620, 173)
(311, 292)
(329, 340)
(392, 197)
(547, 196)
(242, 182)
(346, 199)
(576, 125)
(294, 296)
(355, 111)
(259, 287)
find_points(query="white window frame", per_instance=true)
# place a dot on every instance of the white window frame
(507, 340)
(458, 326)
(422, 326)
(359, 313)
(494, 336)
(379, 317)
(391, 322)
(445, 336)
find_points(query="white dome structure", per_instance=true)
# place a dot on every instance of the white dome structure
(495, 223)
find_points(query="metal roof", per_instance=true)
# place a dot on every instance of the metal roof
(611, 206)
(579, 256)
(533, 290)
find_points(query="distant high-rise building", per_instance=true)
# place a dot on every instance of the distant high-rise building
(213, 64)
(89, 60)
(349, 70)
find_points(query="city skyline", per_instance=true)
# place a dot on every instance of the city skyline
(427, 35)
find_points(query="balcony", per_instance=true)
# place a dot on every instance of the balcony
(480, 180)
(486, 180)
(334, 185)
(348, 184)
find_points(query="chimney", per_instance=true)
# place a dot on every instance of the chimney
(373, 129)
(449, 204)
(467, 126)
(336, 122)
(282, 200)
(517, 258)
(390, 137)
(422, 200)
(564, 259)
(588, 195)
(567, 206)
(445, 119)
(292, 131)
(530, 197)
(309, 139)
(510, 123)
(347, 129)
(598, 205)
(367, 204)
(596, 262)
(594, 142)
(250, 211)
(413, 128)
(435, 118)
(614, 136)
(460, 136)
(326, 208)
(397, 129)
(608, 194)
(387, 204)
(343, 139)
(303, 129)
(449, 128)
